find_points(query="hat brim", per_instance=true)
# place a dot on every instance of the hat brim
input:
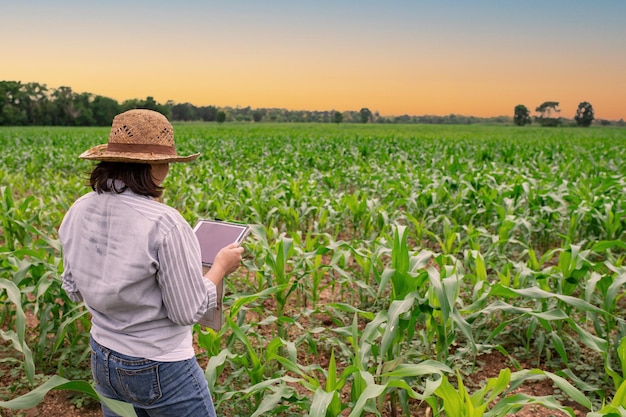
(100, 153)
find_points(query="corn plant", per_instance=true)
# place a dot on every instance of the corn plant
(617, 406)
(326, 400)
(605, 288)
(546, 319)
(34, 397)
(18, 336)
(494, 400)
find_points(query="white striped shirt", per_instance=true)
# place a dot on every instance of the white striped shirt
(136, 264)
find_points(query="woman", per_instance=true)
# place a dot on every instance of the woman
(136, 264)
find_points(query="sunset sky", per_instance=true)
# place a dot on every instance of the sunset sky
(478, 58)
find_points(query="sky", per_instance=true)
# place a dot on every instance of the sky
(474, 58)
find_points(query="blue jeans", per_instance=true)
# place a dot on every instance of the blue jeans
(155, 389)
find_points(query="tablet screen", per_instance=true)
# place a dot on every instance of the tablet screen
(214, 235)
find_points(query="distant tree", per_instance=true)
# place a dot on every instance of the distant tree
(547, 107)
(351, 116)
(366, 115)
(337, 117)
(104, 110)
(83, 113)
(257, 116)
(545, 113)
(34, 100)
(208, 113)
(12, 115)
(245, 113)
(584, 114)
(150, 104)
(405, 118)
(183, 111)
(521, 115)
(131, 104)
(65, 104)
(220, 117)
(11, 98)
(297, 116)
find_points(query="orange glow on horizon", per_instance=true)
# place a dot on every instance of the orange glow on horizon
(322, 61)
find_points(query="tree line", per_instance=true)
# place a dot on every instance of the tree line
(36, 104)
(549, 114)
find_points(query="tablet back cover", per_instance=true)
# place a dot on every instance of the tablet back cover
(214, 318)
(213, 236)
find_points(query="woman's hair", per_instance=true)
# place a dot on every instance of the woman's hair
(136, 177)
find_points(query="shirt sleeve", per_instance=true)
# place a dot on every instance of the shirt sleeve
(69, 286)
(187, 295)
(212, 292)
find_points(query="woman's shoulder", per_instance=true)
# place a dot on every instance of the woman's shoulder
(82, 200)
(163, 216)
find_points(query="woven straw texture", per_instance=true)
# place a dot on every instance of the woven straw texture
(141, 136)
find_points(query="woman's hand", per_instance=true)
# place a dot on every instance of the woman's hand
(227, 261)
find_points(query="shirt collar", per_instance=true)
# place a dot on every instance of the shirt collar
(119, 185)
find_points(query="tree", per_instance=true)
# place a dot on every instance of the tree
(83, 110)
(584, 114)
(184, 111)
(11, 111)
(366, 115)
(337, 117)
(63, 98)
(220, 117)
(104, 110)
(545, 109)
(548, 107)
(521, 115)
(149, 103)
(208, 113)
(38, 104)
(257, 116)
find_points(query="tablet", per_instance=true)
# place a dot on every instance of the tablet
(213, 235)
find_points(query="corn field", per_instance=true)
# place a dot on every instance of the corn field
(383, 261)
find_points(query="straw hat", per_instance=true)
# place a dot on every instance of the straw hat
(140, 136)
